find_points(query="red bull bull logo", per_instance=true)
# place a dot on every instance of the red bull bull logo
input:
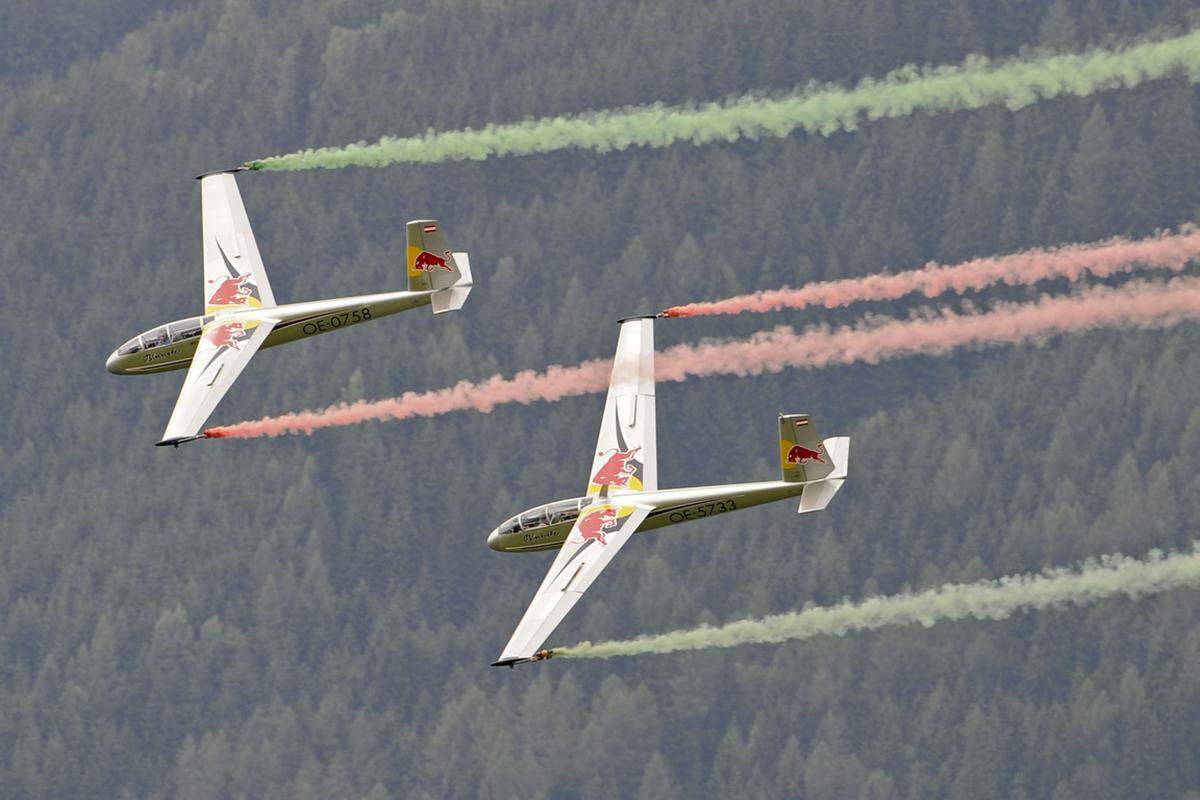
(799, 454)
(619, 468)
(428, 262)
(596, 525)
(232, 291)
(228, 335)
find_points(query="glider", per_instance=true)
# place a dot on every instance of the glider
(241, 316)
(623, 495)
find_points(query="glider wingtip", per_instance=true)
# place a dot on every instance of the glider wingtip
(238, 168)
(508, 662)
(512, 661)
(175, 441)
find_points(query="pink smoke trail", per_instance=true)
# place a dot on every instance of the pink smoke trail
(1101, 259)
(1140, 304)
(526, 387)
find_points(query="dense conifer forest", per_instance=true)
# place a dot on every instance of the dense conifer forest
(312, 617)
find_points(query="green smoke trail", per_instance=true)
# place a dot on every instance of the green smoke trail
(825, 109)
(998, 599)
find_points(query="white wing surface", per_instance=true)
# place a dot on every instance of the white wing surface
(598, 534)
(626, 458)
(225, 348)
(233, 270)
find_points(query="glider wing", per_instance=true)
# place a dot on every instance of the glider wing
(626, 459)
(234, 277)
(225, 348)
(601, 530)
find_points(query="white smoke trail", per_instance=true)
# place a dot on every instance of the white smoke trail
(996, 599)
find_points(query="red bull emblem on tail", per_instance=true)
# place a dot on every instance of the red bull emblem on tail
(594, 526)
(619, 468)
(428, 262)
(799, 454)
(232, 291)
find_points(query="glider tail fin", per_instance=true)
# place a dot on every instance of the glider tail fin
(803, 456)
(433, 267)
(806, 458)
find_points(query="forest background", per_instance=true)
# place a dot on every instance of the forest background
(312, 617)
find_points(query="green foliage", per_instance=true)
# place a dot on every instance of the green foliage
(312, 617)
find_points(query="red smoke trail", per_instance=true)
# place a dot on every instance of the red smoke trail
(1153, 305)
(525, 387)
(1102, 259)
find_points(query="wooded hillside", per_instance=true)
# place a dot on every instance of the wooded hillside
(312, 617)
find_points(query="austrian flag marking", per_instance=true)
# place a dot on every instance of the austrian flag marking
(430, 229)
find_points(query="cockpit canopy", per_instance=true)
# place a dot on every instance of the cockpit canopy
(165, 334)
(542, 516)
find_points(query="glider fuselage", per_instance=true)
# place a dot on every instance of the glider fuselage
(547, 527)
(171, 346)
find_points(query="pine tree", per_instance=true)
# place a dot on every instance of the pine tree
(1093, 170)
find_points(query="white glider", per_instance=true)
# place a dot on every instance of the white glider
(623, 495)
(240, 314)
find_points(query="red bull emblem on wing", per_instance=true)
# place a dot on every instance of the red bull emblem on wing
(232, 291)
(227, 335)
(619, 468)
(799, 454)
(594, 526)
(427, 262)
